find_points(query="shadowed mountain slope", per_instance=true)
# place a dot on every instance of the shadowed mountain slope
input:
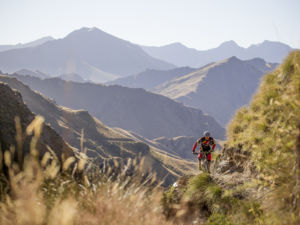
(219, 88)
(89, 52)
(101, 143)
(12, 106)
(144, 113)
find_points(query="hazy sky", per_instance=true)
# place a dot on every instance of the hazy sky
(200, 24)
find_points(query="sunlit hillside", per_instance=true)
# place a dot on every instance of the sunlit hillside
(256, 178)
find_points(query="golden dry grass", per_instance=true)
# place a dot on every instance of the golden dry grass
(48, 191)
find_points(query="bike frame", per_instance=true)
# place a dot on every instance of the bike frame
(203, 162)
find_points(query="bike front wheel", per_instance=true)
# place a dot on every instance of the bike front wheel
(204, 166)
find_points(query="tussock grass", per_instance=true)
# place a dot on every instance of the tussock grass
(218, 219)
(263, 146)
(203, 201)
(72, 191)
(269, 129)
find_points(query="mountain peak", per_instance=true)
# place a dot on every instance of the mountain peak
(86, 31)
(233, 59)
(229, 44)
(256, 60)
(175, 45)
(267, 42)
(271, 44)
(47, 38)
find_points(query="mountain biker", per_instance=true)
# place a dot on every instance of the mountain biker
(207, 145)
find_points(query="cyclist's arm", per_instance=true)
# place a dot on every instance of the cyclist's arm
(213, 144)
(195, 146)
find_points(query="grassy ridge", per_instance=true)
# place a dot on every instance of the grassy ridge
(269, 130)
(261, 182)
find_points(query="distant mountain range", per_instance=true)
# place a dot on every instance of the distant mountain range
(89, 52)
(33, 73)
(71, 77)
(100, 57)
(26, 45)
(218, 89)
(150, 115)
(180, 55)
(67, 76)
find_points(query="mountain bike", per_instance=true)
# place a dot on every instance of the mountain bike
(203, 163)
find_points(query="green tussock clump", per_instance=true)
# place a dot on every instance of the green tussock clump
(200, 197)
(201, 200)
(269, 130)
(202, 192)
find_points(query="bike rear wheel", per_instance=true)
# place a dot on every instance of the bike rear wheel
(204, 163)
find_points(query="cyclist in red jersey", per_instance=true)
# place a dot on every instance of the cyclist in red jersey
(207, 145)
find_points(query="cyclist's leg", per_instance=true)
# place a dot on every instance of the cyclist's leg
(200, 156)
(208, 157)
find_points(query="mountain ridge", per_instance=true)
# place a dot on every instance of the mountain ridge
(180, 55)
(92, 53)
(102, 144)
(232, 82)
(134, 109)
(26, 45)
(36, 73)
(149, 79)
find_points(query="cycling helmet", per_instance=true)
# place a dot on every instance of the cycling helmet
(206, 133)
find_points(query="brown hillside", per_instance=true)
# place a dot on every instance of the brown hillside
(12, 106)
